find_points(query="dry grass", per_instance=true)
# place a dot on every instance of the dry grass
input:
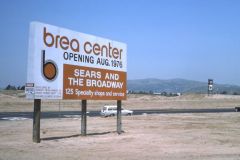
(15, 102)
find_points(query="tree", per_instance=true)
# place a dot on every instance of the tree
(151, 92)
(22, 88)
(9, 87)
(164, 93)
(224, 92)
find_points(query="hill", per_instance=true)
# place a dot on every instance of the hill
(179, 85)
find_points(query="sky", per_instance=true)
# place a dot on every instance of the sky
(166, 39)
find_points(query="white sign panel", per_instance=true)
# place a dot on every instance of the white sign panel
(210, 87)
(64, 64)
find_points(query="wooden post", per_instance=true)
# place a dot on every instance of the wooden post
(119, 116)
(84, 118)
(36, 120)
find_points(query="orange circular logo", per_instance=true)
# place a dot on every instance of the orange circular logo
(49, 68)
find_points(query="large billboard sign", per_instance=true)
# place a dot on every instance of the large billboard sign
(64, 64)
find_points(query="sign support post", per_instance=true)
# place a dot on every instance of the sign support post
(36, 120)
(119, 116)
(84, 118)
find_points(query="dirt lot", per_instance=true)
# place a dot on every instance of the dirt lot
(164, 136)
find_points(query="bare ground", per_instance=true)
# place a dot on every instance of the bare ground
(211, 136)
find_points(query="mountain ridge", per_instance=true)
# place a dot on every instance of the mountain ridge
(178, 85)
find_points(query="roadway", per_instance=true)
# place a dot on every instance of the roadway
(77, 114)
